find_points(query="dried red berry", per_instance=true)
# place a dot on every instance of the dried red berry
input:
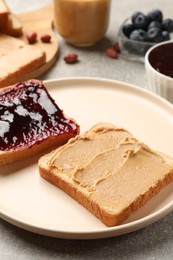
(45, 38)
(71, 58)
(31, 37)
(112, 53)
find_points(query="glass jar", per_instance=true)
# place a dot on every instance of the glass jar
(81, 22)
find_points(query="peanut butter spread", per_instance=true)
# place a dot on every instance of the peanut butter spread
(110, 165)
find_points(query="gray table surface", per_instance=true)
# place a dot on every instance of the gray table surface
(152, 242)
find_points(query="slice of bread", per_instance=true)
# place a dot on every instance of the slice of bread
(14, 27)
(9, 23)
(15, 64)
(108, 171)
(4, 12)
(31, 122)
(8, 44)
(3, 7)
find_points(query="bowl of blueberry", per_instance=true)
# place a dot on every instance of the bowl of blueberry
(141, 31)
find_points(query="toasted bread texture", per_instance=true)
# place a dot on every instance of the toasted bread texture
(9, 44)
(25, 60)
(31, 122)
(108, 171)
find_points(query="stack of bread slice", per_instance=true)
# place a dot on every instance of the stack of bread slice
(17, 58)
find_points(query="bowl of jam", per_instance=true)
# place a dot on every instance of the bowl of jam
(159, 69)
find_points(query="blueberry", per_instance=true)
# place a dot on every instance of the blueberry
(166, 36)
(154, 34)
(154, 24)
(167, 25)
(138, 35)
(155, 15)
(139, 20)
(127, 29)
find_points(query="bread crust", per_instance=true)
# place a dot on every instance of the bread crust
(4, 12)
(14, 27)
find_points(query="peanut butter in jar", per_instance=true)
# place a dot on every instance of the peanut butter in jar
(81, 22)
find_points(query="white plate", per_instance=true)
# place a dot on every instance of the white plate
(30, 202)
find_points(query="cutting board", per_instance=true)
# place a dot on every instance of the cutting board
(41, 22)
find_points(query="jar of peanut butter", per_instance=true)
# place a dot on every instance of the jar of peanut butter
(81, 22)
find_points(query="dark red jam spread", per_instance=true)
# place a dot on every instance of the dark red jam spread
(29, 115)
(161, 59)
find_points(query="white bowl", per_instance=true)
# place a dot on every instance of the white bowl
(158, 82)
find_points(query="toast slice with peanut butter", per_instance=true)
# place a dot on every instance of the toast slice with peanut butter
(108, 171)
